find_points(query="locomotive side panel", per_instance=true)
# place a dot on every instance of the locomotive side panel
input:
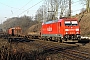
(50, 28)
(51, 31)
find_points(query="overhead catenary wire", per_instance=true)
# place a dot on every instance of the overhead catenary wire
(22, 6)
(31, 7)
(25, 5)
(75, 2)
(14, 7)
(27, 10)
(78, 10)
(8, 6)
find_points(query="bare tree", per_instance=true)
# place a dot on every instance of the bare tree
(87, 3)
(63, 8)
(41, 14)
(57, 7)
(24, 22)
(52, 10)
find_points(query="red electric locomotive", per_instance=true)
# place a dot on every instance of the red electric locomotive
(62, 29)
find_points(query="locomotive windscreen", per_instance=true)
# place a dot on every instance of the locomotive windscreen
(71, 23)
(75, 23)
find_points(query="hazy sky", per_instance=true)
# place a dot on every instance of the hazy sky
(15, 8)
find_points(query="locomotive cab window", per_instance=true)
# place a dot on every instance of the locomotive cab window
(74, 23)
(71, 23)
(67, 23)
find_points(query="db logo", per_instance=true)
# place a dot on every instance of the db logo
(49, 28)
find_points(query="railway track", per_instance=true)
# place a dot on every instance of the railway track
(70, 54)
(75, 55)
(65, 51)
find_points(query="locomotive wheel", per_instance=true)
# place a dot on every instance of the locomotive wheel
(50, 38)
(45, 39)
(65, 39)
(60, 40)
(10, 40)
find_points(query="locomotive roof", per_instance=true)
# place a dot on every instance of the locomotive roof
(59, 20)
(53, 21)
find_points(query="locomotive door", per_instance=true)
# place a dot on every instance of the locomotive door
(59, 27)
(12, 32)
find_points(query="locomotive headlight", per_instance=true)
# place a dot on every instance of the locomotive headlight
(66, 30)
(77, 32)
(77, 29)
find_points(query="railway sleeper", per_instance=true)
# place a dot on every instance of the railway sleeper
(72, 56)
(57, 39)
(19, 39)
(84, 54)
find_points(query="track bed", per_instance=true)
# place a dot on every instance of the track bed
(34, 49)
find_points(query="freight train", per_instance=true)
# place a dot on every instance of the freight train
(60, 30)
(63, 29)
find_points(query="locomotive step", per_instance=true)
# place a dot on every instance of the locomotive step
(71, 41)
